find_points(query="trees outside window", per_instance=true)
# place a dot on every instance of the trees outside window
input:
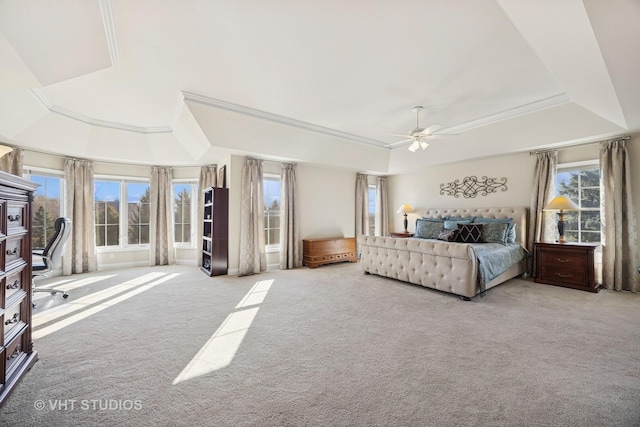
(271, 193)
(107, 212)
(183, 211)
(372, 210)
(47, 205)
(138, 213)
(581, 184)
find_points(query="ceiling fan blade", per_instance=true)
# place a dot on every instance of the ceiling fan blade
(402, 135)
(433, 128)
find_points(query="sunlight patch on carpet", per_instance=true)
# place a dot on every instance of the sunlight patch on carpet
(219, 351)
(94, 303)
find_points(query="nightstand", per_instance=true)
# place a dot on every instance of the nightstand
(401, 234)
(566, 264)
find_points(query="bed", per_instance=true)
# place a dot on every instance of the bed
(466, 268)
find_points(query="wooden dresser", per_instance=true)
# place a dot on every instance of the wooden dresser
(566, 264)
(317, 252)
(16, 348)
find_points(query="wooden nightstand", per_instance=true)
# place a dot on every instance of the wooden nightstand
(401, 234)
(566, 264)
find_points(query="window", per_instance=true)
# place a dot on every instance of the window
(183, 211)
(372, 210)
(271, 195)
(581, 183)
(138, 213)
(47, 206)
(107, 212)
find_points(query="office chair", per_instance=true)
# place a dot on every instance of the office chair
(51, 256)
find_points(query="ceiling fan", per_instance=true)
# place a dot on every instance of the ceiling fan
(419, 135)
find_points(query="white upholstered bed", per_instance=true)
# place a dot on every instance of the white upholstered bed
(446, 266)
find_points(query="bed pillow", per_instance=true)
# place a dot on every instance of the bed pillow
(469, 233)
(428, 229)
(511, 229)
(460, 218)
(451, 224)
(495, 232)
(448, 235)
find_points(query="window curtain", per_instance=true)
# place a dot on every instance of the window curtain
(382, 207)
(253, 258)
(618, 219)
(362, 204)
(289, 229)
(541, 224)
(12, 162)
(161, 238)
(80, 250)
(207, 179)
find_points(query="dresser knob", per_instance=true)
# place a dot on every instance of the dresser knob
(14, 285)
(13, 217)
(564, 275)
(14, 319)
(13, 252)
(562, 260)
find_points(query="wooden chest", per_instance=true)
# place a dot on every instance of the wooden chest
(317, 252)
(568, 264)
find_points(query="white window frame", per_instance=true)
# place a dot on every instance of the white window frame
(561, 167)
(194, 211)
(123, 221)
(274, 247)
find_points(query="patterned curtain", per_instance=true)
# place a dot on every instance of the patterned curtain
(362, 204)
(290, 256)
(253, 258)
(207, 179)
(80, 250)
(12, 162)
(161, 238)
(619, 235)
(382, 207)
(541, 224)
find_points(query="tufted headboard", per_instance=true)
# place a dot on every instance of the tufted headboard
(520, 215)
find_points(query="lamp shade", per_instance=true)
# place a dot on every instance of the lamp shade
(561, 203)
(405, 209)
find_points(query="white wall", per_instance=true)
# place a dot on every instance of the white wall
(421, 189)
(326, 201)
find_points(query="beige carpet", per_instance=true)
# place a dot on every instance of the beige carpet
(169, 346)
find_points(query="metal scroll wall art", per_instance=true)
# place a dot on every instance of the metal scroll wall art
(471, 186)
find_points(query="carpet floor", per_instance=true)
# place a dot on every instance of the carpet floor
(168, 346)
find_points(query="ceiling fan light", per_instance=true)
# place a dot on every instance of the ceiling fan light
(424, 145)
(414, 146)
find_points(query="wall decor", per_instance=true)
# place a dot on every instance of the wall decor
(471, 186)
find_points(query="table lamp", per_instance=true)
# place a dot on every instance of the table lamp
(405, 209)
(561, 204)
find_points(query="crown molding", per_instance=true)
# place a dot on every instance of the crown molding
(40, 96)
(511, 113)
(228, 106)
(109, 29)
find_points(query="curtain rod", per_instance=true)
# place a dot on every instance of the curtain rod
(622, 138)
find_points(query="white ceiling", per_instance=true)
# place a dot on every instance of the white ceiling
(187, 82)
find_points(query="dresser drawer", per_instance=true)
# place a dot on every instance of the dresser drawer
(16, 217)
(13, 251)
(12, 319)
(13, 353)
(13, 283)
(555, 273)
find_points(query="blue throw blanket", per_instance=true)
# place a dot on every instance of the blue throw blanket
(496, 258)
